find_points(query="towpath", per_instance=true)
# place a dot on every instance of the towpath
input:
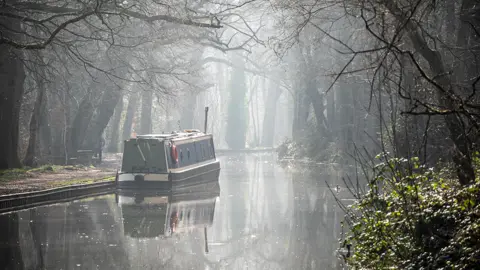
(46, 177)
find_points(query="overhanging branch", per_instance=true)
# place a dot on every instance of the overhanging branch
(17, 11)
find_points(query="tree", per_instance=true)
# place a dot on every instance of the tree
(237, 112)
(69, 32)
(391, 36)
(12, 76)
(114, 135)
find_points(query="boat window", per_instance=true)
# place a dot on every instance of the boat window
(181, 155)
(143, 156)
(188, 153)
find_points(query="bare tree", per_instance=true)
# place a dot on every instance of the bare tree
(75, 36)
(405, 35)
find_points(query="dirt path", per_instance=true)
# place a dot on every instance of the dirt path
(53, 176)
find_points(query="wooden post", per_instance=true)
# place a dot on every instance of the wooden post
(206, 120)
(206, 239)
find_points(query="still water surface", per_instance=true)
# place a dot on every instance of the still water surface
(260, 217)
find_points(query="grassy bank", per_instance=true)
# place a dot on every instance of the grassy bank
(27, 172)
(80, 181)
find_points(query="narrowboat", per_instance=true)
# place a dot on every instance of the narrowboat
(168, 160)
(151, 214)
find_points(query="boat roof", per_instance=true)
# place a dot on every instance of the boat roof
(188, 133)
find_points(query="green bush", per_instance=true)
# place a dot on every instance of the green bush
(414, 217)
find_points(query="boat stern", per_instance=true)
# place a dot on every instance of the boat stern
(143, 180)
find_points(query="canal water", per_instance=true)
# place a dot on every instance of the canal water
(263, 216)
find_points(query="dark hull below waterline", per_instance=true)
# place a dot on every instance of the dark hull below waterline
(201, 175)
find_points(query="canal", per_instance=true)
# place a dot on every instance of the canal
(262, 217)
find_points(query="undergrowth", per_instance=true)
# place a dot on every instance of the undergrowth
(413, 217)
(12, 174)
(312, 147)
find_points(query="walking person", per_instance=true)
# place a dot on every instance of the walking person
(99, 148)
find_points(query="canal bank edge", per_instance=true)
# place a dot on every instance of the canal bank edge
(25, 200)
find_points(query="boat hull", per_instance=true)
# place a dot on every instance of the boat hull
(179, 178)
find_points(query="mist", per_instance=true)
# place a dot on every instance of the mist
(352, 84)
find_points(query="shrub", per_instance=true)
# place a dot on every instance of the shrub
(414, 217)
(310, 146)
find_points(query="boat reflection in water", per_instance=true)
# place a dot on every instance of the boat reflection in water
(150, 214)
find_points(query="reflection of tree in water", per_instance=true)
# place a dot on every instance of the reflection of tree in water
(272, 197)
(10, 252)
(313, 238)
(273, 221)
(262, 243)
(64, 236)
(93, 237)
(237, 186)
(38, 225)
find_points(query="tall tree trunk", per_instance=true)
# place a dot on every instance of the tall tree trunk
(331, 110)
(188, 110)
(78, 130)
(146, 116)
(318, 108)
(102, 116)
(462, 155)
(223, 94)
(102, 93)
(131, 110)
(12, 76)
(268, 132)
(115, 131)
(45, 132)
(169, 112)
(56, 116)
(251, 108)
(468, 40)
(237, 110)
(198, 114)
(345, 113)
(32, 149)
(301, 112)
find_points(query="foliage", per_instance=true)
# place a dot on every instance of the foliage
(415, 217)
(17, 173)
(313, 147)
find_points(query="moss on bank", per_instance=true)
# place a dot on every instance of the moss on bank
(28, 172)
